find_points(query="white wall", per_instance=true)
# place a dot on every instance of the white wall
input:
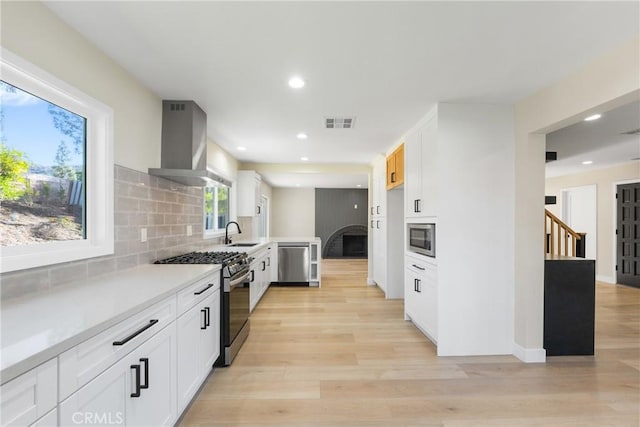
(608, 82)
(604, 180)
(475, 229)
(293, 212)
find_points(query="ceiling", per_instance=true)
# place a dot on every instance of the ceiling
(603, 142)
(384, 63)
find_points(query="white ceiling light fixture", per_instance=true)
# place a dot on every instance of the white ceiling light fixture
(302, 136)
(296, 82)
(304, 159)
(242, 148)
(593, 117)
(587, 162)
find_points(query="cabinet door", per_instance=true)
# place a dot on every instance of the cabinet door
(391, 169)
(102, 401)
(210, 336)
(248, 193)
(380, 253)
(411, 296)
(157, 404)
(429, 177)
(272, 261)
(399, 159)
(189, 371)
(413, 172)
(378, 207)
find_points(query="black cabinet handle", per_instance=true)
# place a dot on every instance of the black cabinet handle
(418, 207)
(415, 285)
(204, 324)
(378, 224)
(145, 360)
(372, 224)
(207, 316)
(393, 177)
(136, 393)
(371, 210)
(418, 267)
(269, 262)
(253, 276)
(378, 209)
(204, 289)
(258, 210)
(136, 333)
(264, 265)
(418, 286)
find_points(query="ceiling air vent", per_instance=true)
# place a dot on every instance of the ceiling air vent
(339, 122)
(632, 132)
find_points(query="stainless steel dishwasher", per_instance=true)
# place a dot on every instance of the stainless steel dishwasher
(293, 263)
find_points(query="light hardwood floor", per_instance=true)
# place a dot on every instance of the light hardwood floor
(342, 355)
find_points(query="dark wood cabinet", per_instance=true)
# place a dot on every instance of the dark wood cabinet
(569, 306)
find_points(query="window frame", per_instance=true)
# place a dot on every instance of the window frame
(99, 166)
(209, 234)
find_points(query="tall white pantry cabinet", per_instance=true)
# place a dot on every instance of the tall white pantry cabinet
(459, 175)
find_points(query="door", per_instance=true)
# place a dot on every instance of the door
(628, 234)
(579, 211)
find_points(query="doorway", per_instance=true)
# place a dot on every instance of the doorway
(628, 234)
(263, 218)
(579, 211)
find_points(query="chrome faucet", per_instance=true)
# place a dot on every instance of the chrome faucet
(227, 240)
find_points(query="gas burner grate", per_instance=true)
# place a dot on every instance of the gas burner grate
(202, 258)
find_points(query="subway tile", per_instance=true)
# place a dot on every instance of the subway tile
(67, 273)
(156, 243)
(177, 208)
(101, 266)
(20, 283)
(147, 257)
(148, 206)
(163, 230)
(138, 218)
(128, 175)
(127, 261)
(156, 194)
(171, 196)
(139, 191)
(126, 204)
(155, 219)
(121, 247)
(120, 218)
(136, 247)
(163, 207)
(126, 233)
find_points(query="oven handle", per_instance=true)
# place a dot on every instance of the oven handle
(237, 282)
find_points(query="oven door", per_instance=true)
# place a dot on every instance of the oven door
(236, 306)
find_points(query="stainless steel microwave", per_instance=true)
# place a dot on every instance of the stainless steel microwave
(422, 238)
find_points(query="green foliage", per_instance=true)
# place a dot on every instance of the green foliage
(61, 168)
(208, 201)
(13, 168)
(69, 124)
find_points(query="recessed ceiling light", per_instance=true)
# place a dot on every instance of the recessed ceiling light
(302, 136)
(304, 159)
(594, 117)
(296, 82)
(587, 162)
(297, 185)
(359, 185)
(242, 148)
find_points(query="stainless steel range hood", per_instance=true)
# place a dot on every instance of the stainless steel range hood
(183, 156)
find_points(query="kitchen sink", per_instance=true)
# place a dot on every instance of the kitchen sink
(243, 245)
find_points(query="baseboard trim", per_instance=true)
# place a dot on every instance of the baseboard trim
(370, 281)
(530, 355)
(605, 279)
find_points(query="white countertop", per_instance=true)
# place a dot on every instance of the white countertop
(260, 244)
(38, 328)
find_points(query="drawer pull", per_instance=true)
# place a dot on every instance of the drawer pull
(136, 393)
(418, 267)
(145, 360)
(207, 316)
(136, 333)
(204, 289)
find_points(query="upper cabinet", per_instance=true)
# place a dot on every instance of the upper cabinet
(421, 180)
(379, 192)
(395, 168)
(249, 183)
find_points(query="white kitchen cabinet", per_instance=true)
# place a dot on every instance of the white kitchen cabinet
(379, 235)
(48, 420)
(248, 194)
(259, 278)
(30, 396)
(379, 190)
(139, 390)
(421, 295)
(421, 170)
(82, 363)
(198, 341)
(314, 263)
(272, 262)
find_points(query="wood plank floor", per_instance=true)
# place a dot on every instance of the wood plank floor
(342, 355)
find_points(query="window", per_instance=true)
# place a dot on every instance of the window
(56, 164)
(216, 208)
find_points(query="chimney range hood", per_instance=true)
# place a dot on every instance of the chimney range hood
(183, 155)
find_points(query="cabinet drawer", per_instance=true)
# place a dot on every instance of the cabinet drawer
(30, 396)
(85, 361)
(190, 296)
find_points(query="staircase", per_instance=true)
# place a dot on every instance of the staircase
(560, 239)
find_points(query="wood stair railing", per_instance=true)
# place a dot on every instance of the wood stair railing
(560, 239)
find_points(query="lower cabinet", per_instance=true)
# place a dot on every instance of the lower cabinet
(140, 389)
(421, 295)
(198, 346)
(260, 278)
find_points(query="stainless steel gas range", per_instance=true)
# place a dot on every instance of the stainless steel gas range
(234, 310)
